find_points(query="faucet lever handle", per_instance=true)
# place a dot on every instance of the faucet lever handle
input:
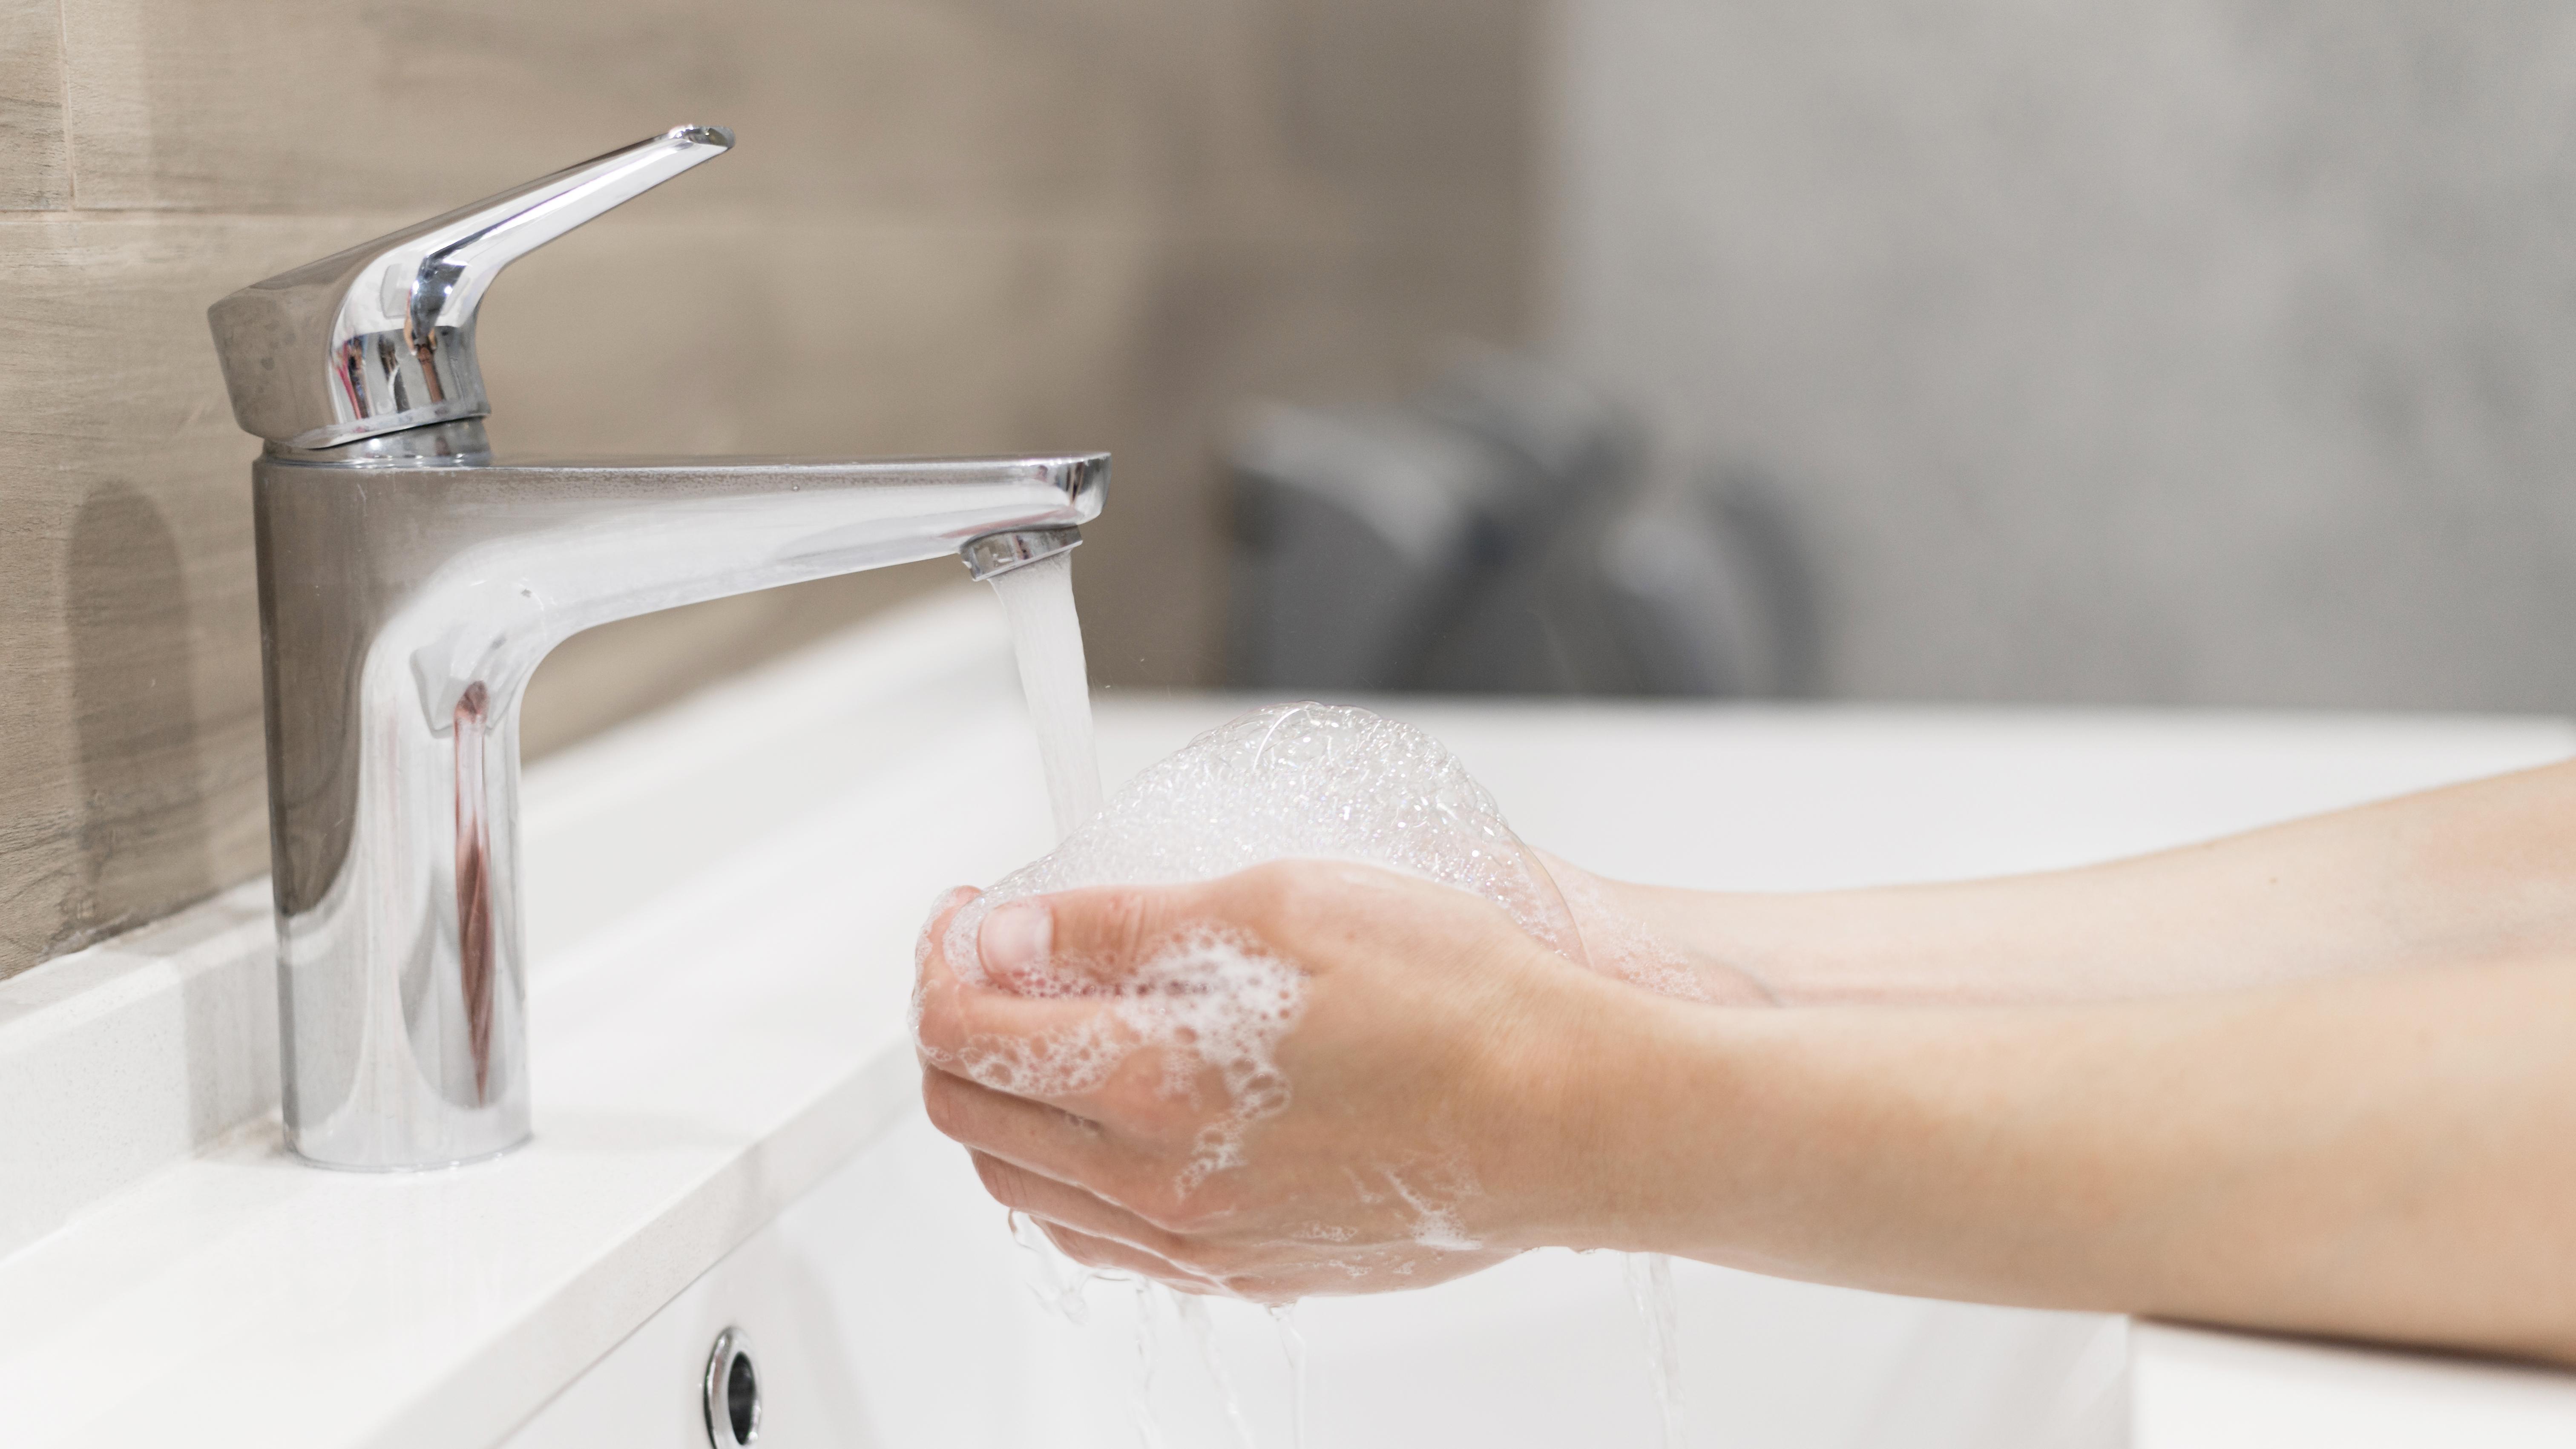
(380, 337)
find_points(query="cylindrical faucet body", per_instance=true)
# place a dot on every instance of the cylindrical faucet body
(403, 607)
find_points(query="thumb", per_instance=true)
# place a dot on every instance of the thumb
(1086, 940)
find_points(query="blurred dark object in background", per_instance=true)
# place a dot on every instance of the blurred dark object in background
(1504, 534)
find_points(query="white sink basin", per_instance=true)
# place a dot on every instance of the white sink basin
(890, 1308)
(722, 902)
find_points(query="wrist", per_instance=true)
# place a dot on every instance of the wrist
(1680, 942)
(1610, 1136)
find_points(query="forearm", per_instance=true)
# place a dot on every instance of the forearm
(2311, 1158)
(2475, 872)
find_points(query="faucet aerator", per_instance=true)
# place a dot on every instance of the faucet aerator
(996, 554)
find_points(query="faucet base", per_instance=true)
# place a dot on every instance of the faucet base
(390, 1169)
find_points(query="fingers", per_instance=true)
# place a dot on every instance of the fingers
(1016, 947)
(956, 1015)
(1072, 1055)
(1097, 937)
(1033, 1135)
(1045, 1198)
(1097, 1252)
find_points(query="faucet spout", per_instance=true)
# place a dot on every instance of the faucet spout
(407, 595)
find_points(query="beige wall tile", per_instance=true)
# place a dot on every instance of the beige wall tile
(313, 105)
(1402, 99)
(130, 771)
(748, 334)
(35, 172)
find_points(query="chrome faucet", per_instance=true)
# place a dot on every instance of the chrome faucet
(408, 586)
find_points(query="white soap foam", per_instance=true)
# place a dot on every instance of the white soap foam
(1291, 781)
(1300, 781)
(1213, 1002)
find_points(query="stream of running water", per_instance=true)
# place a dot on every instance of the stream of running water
(1047, 638)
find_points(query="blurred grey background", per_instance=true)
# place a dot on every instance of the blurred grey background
(2186, 352)
(2214, 352)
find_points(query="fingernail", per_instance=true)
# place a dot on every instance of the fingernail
(1015, 937)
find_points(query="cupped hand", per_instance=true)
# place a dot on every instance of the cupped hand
(1418, 1114)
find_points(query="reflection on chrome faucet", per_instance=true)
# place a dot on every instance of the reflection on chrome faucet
(409, 585)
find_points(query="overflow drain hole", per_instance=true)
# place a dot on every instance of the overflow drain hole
(732, 1392)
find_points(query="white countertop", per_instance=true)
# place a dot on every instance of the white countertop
(723, 902)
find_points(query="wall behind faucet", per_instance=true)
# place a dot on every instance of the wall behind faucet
(2173, 351)
(951, 226)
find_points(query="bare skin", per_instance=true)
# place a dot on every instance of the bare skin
(2319, 1078)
